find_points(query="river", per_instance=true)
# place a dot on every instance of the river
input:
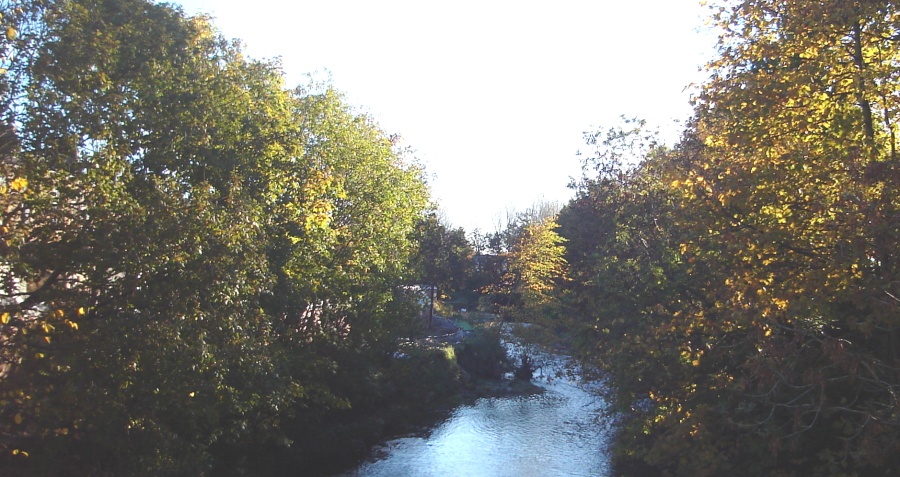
(554, 433)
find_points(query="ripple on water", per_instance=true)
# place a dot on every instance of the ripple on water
(550, 434)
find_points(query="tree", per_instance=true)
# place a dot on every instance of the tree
(443, 259)
(190, 250)
(535, 266)
(136, 239)
(799, 172)
(741, 284)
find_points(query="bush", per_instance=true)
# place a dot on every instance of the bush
(483, 355)
(525, 371)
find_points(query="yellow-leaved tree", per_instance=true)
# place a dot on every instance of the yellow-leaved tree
(769, 345)
(791, 173)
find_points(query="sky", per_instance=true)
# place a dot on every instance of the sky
(493, 96)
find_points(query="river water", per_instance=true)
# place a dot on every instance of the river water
(555, 433)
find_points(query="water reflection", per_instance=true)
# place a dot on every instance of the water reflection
(555, 433)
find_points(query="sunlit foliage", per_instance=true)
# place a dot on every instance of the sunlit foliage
(192, 254)
(741, 288)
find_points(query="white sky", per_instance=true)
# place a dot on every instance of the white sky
(493, 95)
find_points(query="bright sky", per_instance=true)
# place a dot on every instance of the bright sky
(494, 96)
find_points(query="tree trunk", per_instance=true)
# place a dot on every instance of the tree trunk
(431, 309)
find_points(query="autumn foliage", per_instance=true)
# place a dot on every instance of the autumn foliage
(201, 267)
(741, 290)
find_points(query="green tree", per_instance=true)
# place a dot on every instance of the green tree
(444, 258)
(195, 258)
(136, 243)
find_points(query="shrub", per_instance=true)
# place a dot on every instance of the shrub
(483, 355)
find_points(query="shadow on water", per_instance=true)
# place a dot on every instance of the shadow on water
(553, 433)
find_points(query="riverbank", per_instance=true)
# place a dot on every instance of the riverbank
(550, 432)
(417, 389)
(492, 388)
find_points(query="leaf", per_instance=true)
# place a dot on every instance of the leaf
(19, 184)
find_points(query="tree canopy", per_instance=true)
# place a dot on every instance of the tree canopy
(202, 266)
(740, 288)
(190, 248)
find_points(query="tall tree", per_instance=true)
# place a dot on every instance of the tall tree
(159, 193)
(750, 326)
(800, 173)
(535, 266)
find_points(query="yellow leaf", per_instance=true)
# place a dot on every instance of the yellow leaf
(4, 318)
(695, 362)
(19, 184)
(11, 33)
(17, 419)
(81, 311)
